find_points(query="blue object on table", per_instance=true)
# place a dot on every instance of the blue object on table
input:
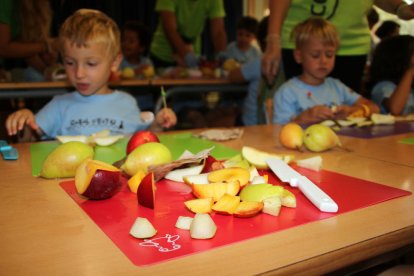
(8, 152)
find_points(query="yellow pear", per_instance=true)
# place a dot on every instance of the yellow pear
(319, 138)
(291, 136)
(64, 160)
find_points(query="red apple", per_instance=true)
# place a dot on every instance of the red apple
(97, 180)
(146, 191)
(140, 137)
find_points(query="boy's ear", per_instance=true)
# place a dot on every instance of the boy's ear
(117, 61)
(297, 55)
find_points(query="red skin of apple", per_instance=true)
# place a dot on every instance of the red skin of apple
(146, 191)
(212, 164)
(104, 184)
(140, 137)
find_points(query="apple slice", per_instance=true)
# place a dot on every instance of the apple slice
(253, 172)
(142, 229)
(312, 163)
(215, 190)
(236, 161)
(199, 205)
(382, 119)
(183, 222)
(288, 199)
(178, 174)
(202, 227)
(135, 180)
(259, 192)
(227, 204)
(229, 175)
(146, 191)
(97, 180)
(107, 140)
(78, 138)
(272, 205)
(258, 179)
(196, 179)
(247, 209)
(258, 158)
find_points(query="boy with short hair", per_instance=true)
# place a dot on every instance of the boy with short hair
(313, 96)
(243, 50)
(90, 49)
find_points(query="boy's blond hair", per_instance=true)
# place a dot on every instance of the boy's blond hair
(315, 27)
(91, 26)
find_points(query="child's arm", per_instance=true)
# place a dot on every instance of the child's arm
(17, 120)
(396, 102)
(165, 118)
(314, 114)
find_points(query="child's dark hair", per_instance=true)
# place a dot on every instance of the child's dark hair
(143, 32)
(387, 29)
(392, 57)
(262, 32)
(248, 23)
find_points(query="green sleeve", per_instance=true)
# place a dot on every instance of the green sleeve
(216, 9)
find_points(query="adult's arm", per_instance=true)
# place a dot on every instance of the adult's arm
(169, 23)
(218, 34)
(397, 7)
(272, 56)
(16, 49)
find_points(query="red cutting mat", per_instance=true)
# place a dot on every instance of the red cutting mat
(116, 215)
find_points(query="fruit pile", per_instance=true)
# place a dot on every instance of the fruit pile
(231, 187)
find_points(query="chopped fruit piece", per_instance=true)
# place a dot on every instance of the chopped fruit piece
(258, 158)
(199, 205)
(229, 175)
(97, 180)
(258, 179)
(135, 180)
(216, 190)
(247, 209)
(288, 199)
(212, 164)
(196, 179)
(227, 204)
(178, 174)
(272, 205)
(312, 163)
(142, 229)
(183, 222)
(202, 227)
(146, 191)
(259, 192)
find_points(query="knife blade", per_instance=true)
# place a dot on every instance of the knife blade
(288, 175)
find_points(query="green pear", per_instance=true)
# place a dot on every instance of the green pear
(63, 161)
(145, 155)
(319, 138)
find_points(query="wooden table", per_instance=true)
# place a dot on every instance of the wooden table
(48, 89)
(44, 232)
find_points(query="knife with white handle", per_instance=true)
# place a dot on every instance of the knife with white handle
(318, 197)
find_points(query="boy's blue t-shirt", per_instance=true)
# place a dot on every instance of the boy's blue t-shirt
(252, 73)
(232, 51)
(295, 96)
(74, 114)
(384, 90)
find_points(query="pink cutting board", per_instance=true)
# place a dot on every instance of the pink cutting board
(116, 215)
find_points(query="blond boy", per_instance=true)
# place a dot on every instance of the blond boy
(90, 49)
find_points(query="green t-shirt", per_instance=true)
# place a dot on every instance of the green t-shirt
(191, 16)
(348, 16)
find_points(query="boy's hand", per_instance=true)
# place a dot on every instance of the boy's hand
(343, 111)
(315, 114)
(17, 120)
(166, 118)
